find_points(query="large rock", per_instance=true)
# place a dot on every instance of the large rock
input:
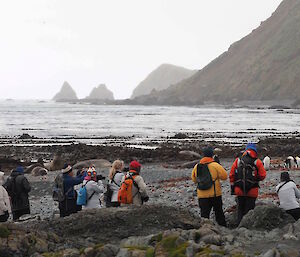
(66, 93)
(101, 92)
(266, 217)
(111, 225)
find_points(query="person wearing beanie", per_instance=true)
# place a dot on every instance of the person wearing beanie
(94, 189)
(288, 195)
(5, 208)
(68, 205)
(211, 197)
(18, 188)
(245, 174)
(139, 189)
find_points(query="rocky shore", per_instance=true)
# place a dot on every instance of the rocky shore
(152, 230)
(179, 150)
(168, 225)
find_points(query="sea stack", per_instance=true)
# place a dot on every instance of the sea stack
(66, 93)
(101, 93)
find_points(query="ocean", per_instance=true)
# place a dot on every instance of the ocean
(94, 124)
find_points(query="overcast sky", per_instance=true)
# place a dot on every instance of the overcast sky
(116, 42)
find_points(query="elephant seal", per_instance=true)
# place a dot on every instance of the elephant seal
(29, 169)
(99, 164)
(39, 171)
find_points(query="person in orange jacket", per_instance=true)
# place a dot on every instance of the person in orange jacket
(245, 174)
(211, 197)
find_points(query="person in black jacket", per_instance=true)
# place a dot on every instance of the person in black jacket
(18, 188)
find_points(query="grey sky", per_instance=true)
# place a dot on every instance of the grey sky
(116, 42)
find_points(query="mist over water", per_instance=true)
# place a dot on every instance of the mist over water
(88, 123)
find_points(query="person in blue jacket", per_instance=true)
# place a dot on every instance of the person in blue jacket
(69, 206)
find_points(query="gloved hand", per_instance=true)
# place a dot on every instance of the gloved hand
(145, 199)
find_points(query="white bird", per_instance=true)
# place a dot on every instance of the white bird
(298, 161)
(266, 162)
(290, 162)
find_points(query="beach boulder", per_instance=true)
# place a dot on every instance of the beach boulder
(266, 217)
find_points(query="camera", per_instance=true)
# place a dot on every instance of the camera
(100, 177)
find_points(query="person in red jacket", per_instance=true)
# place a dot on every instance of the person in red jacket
(245, 174)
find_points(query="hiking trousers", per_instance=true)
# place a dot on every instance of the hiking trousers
(295, 213)
(206, 204)
(244, 204)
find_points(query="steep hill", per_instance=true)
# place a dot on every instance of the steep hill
(265, 65)
(66, 93)
(101, 93)
(161, 78)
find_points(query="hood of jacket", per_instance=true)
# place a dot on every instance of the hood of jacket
(252, 153)
(206, 160)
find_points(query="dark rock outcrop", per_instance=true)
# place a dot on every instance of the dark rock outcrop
(266, 217)
(110, 225)
(66, 93)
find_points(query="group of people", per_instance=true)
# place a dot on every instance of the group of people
(245, 174)
(90, 186)
(128, 187)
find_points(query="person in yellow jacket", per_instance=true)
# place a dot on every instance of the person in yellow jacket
(212, 197)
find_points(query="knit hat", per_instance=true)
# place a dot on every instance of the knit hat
(135, 165)
(20, 169)
(91, 172)
(66, 169)
(208, 152)
(251, 146)
(284, 176)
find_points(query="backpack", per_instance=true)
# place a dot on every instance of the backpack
(58, 194)
(11, 187)
(204, 179)
(82, 198)
(125, 191)
(244, 176)
(108, 194)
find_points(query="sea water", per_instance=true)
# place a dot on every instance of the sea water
(94, 123)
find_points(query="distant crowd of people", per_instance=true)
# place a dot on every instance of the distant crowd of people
(83, 190)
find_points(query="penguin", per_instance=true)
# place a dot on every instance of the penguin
(290, 162)
(297, 161)
(266, 162)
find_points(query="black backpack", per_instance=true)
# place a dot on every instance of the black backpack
(11, 187)
(109, 192)
(204, 179)
(244, 176)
